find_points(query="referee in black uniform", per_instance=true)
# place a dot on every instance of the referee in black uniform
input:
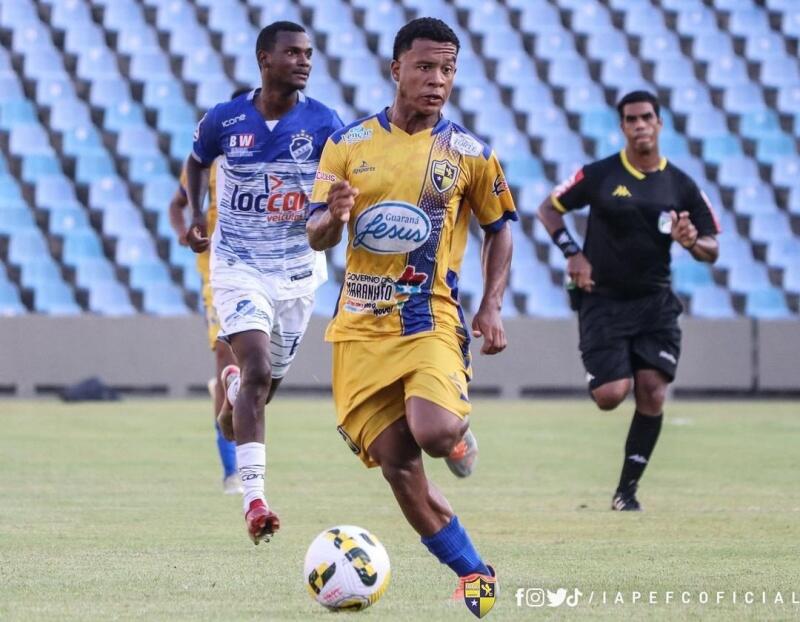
(628, 315)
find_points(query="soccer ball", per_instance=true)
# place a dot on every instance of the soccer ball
(346, 567)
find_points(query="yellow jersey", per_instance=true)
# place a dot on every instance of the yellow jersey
(409, 226)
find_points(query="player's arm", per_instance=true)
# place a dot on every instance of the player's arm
(176, 219)
(196, 186)
(332, 198)
(324, 227)
(551, 216)
(204, 149)
(695, 226)
(496, 264)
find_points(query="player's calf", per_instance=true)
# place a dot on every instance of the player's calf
(230, 377)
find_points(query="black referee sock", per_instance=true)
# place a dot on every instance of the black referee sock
(642, 438)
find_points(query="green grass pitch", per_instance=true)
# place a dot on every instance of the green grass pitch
(115, 512)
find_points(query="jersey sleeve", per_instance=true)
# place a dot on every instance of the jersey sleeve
(701, 213)
(488, 194)
(332, 168)
(206, 139)
(573, 193)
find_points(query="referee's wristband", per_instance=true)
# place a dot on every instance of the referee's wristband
(564, 241)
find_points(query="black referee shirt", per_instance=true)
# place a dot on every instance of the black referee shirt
(628, 233)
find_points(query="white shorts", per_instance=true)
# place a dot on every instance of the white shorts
(244, 303)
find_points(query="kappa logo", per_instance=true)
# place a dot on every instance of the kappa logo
(621, 191)
(465, 144)
(443, 175)
(667, 356)
(357, 134)
(302, 146)
(233, 120)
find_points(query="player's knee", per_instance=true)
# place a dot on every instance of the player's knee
(439, 443)
(257, 375)
(608, 398)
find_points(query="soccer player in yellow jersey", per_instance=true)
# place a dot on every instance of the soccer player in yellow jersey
(231, 482)
(405, 183)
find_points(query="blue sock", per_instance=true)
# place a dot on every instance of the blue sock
(451, 545)
(227, 453)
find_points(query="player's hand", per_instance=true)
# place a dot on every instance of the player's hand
(341, 199)
(197, 235)
(580, 271)
(488, 324)
(683, 231)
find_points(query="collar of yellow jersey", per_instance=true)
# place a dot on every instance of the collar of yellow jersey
(662, 164)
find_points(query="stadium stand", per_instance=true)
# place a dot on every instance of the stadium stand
(98, 99)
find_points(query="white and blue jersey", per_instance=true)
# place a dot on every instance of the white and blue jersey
(263, 204)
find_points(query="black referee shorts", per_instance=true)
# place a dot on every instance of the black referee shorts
(619, 337)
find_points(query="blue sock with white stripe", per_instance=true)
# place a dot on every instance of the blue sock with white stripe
(227, 453)
(451, 546)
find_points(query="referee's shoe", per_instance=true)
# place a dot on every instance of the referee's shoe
(625, 502)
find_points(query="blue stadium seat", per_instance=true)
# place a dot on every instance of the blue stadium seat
(106, 191)
(180, 145)
(548, 301)
(83, 35)
(29, 139)
(110, 298)
(727, 71)
(583, 98)
(705, 123)
(17, 14)
(760, 46)
(737, 170)
(590, 18)
(674, 72)
(25, 245)
(68, 114)
(688, 275)
(53, 90)
(238, 41)
(97, 63)
(79, 245)
(746, 20)
(716, 149)
(66, 219)
(568, 71)
(791, 278)
(142, 168)
(554, 44)
(599, 122)
(10, 303)
(755, 197)
(786, 171)
(93, 166)
(158, 192)
(778, 72)
(122, 15)
(143, 275)
(733, 249)
(44, 63)
(772, 148)
(497, 44)
(759, 124)
(663, 45)
(538, 17)
(642, 21)
(137, 141)
(766, 303)
(148, 64)
(92, 270)
(770, 227)
(40, 272)
(17, 111)
(606, 44)
(745, 277)
(137, 248)
(712, 46)
(518, 170)
(163, 93)
(110, 93)
(122, 115)
(383, 17)
(122, 220)
(201, 65)
(712, 301)
(213, 90)
(38, 166)
(164, 299)
(136, 37)
(696, 21)
(52, 190)
(15, 219)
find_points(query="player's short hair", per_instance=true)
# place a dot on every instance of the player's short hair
(240, 91)
(423, 28)
(635, 97)
(269, 34)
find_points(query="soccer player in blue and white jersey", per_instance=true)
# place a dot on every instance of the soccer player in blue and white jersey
(263, 272)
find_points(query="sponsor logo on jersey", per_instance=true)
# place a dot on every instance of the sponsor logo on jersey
(563, 187)
(621, 191)
(465, 144)
(239, 145)
(500, 185)
(357, 134)
(408, 284)
(277, 204)
(665, 223)
(233, 120)
(302, 146)
(325, 176)
(391, 227)
(368, 293)
(364, 167)
(443, 175)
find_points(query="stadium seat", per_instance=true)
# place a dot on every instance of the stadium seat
(109, 298)
(767, 303)
(711, 301)
(10, 302)
(164, 299)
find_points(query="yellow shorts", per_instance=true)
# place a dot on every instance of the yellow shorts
(373, 379)
(212, 322)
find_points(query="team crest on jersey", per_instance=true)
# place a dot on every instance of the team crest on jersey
(465, 144)
(479, 596)
(443, 175)
(302, 146)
